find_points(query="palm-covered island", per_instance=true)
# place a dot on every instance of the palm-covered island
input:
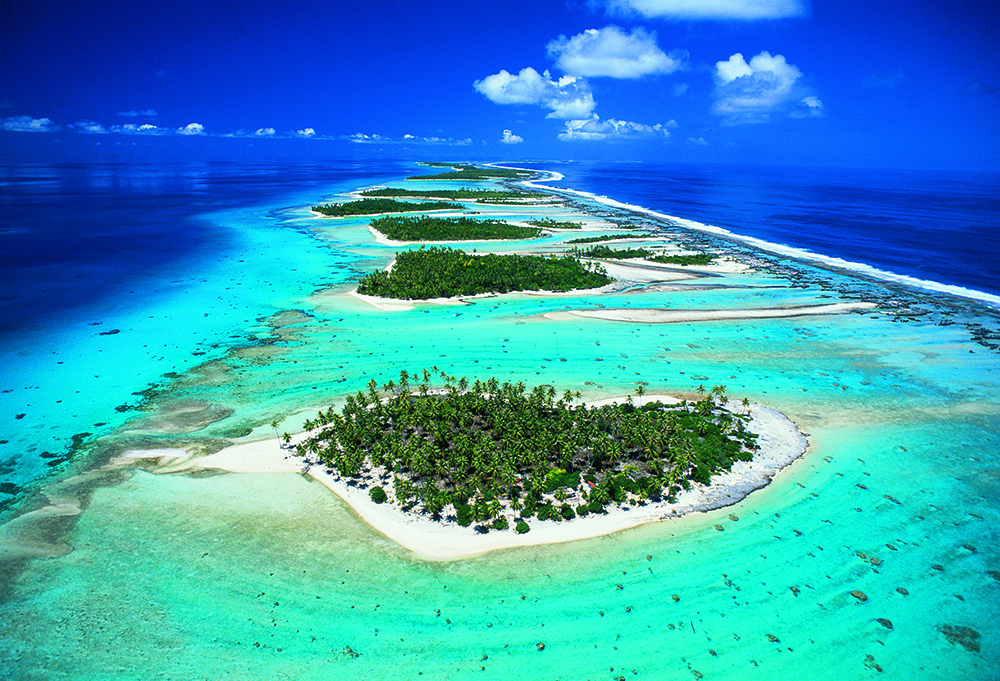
(492, 454)
(440, 272)
(375, 206)
(429, 228)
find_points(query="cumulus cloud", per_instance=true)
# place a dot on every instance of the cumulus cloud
(192, 129)
(363, 138)
(612, 52)
(710, 9)
(133, 113)
(594, 129)
(88, 127)
(27, 124)
(144, 129)
(566, 98)
(306, 132)
(698, 141)
(265, 132)
(751, 92)
(510, 138)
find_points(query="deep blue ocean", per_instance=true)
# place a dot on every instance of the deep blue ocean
(941, 227)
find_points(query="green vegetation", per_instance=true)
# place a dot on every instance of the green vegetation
(608, 253)
(606, 237)
(484, 195)
(698, 259)
(549, 223)
(426, 228)
(438, 272)
(378, 495)
(473, 173)
(491, 450)
(376, 206)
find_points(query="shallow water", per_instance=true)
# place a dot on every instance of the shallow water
(252, 576)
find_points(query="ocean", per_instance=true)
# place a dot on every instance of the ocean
(150, 306)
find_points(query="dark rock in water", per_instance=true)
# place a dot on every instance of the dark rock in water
(350, 652)
(540, 646)
(966, 637)
(902, 590)
(860, 595)
(994, 574)
(871, 664)
(861, 555)
(773, 639)
(795, 590)
(876, 561)
(884, 622)
(720, 528)
(676, 598)
(939, 568)
(733, 517)
(969, 547)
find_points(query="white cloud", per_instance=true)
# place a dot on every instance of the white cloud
(566, 98)
(192, 129)
(594, 129)
(265, 132)
(699, 141)
(88, 127)
(710, 9)
(612, 52)
(144, 129)
(306, 132)
(510, 138)
(133, 114)
(27, 124)
(680, 89)
(751, 92)
(362, 138)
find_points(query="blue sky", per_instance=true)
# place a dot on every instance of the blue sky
(827, 82)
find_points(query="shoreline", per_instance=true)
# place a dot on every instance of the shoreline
(855, 269)
(781, 443)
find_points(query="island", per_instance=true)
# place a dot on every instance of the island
(442, 272)
(500, 454)
(381, 205)
(427, 228)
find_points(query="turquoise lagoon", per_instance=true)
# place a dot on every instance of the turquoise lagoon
(237, 576)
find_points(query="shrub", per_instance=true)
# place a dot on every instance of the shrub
(567, 511)
(378, 495)
(582, 510)
(521, 527)
(464, 514)
(501, 523)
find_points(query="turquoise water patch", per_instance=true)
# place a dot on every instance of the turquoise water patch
(269, 575)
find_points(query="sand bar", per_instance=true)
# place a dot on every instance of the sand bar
(665, 316)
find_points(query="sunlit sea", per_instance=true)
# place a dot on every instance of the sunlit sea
(147, 306)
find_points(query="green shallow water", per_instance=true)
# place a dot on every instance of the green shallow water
(270, 576)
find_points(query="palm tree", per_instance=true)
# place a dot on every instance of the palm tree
(274, 425)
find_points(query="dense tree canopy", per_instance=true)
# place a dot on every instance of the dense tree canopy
(549, 223)
(427, 228)
(439, 272)
(490, 449)
(376, 206)
(608, 253)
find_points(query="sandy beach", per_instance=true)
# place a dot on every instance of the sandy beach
(781, 443)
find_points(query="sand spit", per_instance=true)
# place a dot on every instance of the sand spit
(663, 316)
